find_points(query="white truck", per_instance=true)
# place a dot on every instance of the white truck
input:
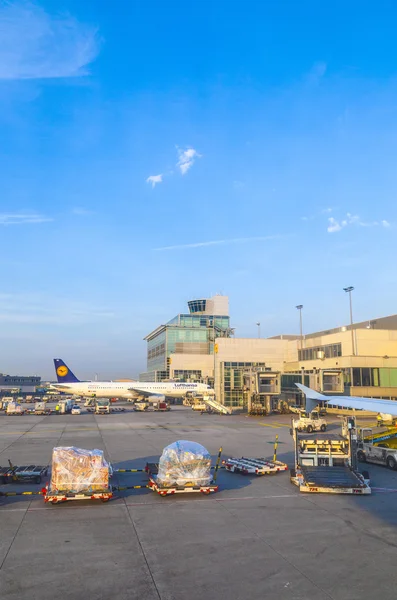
(309, 422)
(102, 406)
(376, 453)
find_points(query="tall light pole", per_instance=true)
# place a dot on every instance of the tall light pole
(299, 307)
(349, 290)
(259, 329)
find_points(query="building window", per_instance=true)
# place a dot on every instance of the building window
(356, 377)
(328, 351)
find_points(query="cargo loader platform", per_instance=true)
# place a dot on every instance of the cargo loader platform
(325, 463)
(334, 480)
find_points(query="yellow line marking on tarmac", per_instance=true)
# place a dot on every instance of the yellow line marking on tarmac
(67, 429)
(270, 425)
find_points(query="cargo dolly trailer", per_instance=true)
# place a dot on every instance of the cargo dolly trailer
(155, 485)
(254, 466)
(57, 496)
(323, 464)
(12, 473)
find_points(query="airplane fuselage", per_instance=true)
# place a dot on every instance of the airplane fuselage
(123, 389)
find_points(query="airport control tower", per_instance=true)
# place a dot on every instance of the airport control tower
(183, 348)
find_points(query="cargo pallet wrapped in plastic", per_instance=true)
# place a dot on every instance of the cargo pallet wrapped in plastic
(78, 474)
(183, 467)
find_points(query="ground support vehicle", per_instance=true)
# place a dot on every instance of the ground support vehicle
(379, 438)
(160, 406)
(257, 409)
(141, 406)
(102, 406)
(216, 406)
(373, 448)
(14, 409)
(40, 408)
(200, 406)
(254, 466)
(323, 464)
(32, 473)
(309, 422)
(56, 496)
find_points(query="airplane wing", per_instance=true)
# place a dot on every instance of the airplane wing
(146, 393)
(371, 404)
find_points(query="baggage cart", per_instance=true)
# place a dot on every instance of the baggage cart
(162, 490)
(254, 466)
(58, 496)
(33, 473)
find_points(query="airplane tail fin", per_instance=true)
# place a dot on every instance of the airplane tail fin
(64, 374)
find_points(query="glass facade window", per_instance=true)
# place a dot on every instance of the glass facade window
(185, 334)
(197, 305)
(373, 377)
(156, 352)
(187, 374)
(329, 351)
(232, 386)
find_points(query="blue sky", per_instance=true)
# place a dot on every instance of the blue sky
(165, 151)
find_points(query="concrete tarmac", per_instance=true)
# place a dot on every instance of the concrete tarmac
(257, 538)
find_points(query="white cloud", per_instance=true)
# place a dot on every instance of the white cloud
(334, 225)
(186, 159)
(82, 212)
(37, 45)
(22, 218)
(220, 242)
(154, 179)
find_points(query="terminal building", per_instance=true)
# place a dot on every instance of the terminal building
(200, 346)
(183, 348)
(19, 382)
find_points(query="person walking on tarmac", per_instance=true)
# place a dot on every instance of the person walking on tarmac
(57, 409)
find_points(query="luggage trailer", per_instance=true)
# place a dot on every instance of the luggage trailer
(168, 490)
(324, 465)
(256, 466)
(57, 496)
(12, 473)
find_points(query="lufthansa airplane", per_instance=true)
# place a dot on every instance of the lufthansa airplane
(388, 407)
(68, 383)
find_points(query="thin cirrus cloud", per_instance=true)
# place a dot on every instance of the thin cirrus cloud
(82, 212)
(219, 242)
(37, 45)
(335, 225)
(23, 218)
(155, 179)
